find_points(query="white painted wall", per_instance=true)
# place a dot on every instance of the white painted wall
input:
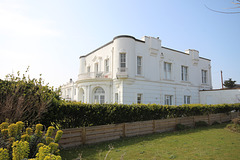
(152, 83)
(220, 96)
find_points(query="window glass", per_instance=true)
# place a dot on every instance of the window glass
(167, 70)
(168, 100)
(122, 62)
(204, 76)
(187, 99)
(107, 65)
(184, 71)
(139, 98)
(139, 65)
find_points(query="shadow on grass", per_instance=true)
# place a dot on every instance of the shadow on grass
(93, 150)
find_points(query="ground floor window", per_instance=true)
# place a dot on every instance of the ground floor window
(81, 94)
(187, 99)
(139, 98)
(99, 96)
(168, 100)
(116, 97)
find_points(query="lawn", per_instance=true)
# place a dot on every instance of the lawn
(206, 143)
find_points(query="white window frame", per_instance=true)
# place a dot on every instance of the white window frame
(187, 99)
(123, 62)
(106, 65)
(184, 73)
(96, 67)
(168, 100)
(88, 69)
(167, 70)
(139, 98)
(99, 95)
(116, 97)
(139, 65)
(204, 76)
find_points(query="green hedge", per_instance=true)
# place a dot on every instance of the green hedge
(75, 114)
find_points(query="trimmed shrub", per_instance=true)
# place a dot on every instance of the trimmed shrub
(180, 127)
(76, 114)
(201, 124)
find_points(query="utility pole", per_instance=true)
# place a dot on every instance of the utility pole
(222, 79)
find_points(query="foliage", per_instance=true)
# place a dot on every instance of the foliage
(229, 83)
(236, 121)
(20, 150)
(25, 99)
(235, 125)
(201, 124)
(20, 144)
(4, 155)
(215, 123)
(180, 127)
(46, 153)
(76, 114)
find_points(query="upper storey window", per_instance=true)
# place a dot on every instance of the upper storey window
(167, 70)
(139, 65)
(184, 71)
(204, 76)
(122, 62)
(107, 65)
(88, 69)
(96, 68)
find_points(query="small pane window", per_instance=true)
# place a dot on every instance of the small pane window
(107, 65)
(167, 70)
(168, 100)
(204, 76)
(139, 98)
(139, 65)
(96, 67)
(184, 71)
(116, 97)
(187, 99)
(122, 62)
(88, 69)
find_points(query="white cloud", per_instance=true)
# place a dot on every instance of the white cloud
(14, 21)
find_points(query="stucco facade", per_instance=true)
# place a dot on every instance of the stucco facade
(129, 70)
(220, 96)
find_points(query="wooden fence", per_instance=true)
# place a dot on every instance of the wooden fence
(87, 135)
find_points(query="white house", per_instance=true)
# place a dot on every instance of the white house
(220, 96)
(127, 70)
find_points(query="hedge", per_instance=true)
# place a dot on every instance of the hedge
(76, 114)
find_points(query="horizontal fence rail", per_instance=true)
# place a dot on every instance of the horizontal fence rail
(88, 135)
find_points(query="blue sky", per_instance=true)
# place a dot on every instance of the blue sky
(49, 36)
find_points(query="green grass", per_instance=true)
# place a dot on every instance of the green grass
(206, 143)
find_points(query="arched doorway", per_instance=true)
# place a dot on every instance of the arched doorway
(81, 94)
(99, 95)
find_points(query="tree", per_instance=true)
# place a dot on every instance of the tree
(24, 99)
(229, 83)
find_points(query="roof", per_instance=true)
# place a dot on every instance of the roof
(138, 40)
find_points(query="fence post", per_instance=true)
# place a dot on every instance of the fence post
(154, 126)
(209, 119)
(124, 130)
(221, 117)
(83, 135)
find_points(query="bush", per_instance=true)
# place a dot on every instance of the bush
(180, 127)
(25, 99)
(236, 121)
(19, 144)
(201, 124)
(76, 114)
(215, 123)
(235, 125)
